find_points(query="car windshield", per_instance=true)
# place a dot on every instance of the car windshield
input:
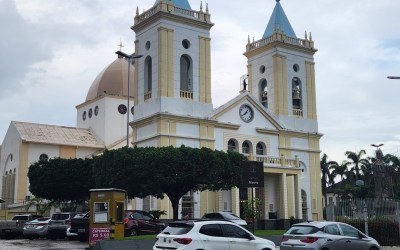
(177, 229)
(60, 216)
(230, 216)
(302, 230)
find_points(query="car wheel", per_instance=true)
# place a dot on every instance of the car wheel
(133, 232)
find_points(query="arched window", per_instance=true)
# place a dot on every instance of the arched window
(232, 145)
(246, 147)
(148, 72)
(186, 77)
(264, 92)
(297, 97)
(260, 149)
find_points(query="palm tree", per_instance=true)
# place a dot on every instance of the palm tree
(327, 176)
(341, 170)
(357, 161)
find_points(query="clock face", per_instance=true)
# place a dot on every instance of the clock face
(246, 113)
(122, 109)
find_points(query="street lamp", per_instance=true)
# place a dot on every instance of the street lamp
(130, 59)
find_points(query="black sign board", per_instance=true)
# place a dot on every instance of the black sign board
(252, 174)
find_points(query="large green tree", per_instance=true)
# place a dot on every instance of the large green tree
(61, 180)
(168, 170)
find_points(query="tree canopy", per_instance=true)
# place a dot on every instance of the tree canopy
(61, 180)
(141, 172)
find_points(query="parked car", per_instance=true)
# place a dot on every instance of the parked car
(327, 236)
(80, 225)
(225, 216)
(37, 228)
(139, 222)
(209, 234)
(59, 224)
(15, 227)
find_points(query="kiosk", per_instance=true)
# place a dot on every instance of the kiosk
(107, 208)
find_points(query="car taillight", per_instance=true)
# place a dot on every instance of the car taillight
(309, 240)
(126, 220)
(183, 241)
(284, 238)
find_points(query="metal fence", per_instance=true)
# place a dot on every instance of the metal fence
(377, 218)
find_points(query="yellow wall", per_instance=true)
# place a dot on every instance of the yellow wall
(67, 152)
(22, 185)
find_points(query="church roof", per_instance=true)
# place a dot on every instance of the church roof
(113, 80)
(184, 4)
(279, 22)
(59, 135)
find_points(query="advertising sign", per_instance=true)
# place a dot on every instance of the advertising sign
(253, 174)
(98, 234)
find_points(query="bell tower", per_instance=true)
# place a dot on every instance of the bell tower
(281, 72)
(173, 77)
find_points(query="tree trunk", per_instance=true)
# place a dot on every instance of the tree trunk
(175, 207)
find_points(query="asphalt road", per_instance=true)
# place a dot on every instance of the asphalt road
(43, 244)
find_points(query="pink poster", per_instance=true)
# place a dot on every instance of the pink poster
(98, 234)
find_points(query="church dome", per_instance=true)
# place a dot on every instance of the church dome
(113, 80)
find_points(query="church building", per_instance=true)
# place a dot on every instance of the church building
(273, 119)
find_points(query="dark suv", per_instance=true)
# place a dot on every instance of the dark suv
(59, 224)
(138, 222)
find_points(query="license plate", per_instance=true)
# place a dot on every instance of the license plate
(81, 230)
(31, 226)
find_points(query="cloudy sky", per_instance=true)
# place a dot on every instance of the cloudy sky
(52, 50)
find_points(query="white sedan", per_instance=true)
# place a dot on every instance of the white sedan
(198, 234)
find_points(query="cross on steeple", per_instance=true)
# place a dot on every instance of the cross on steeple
(120, 45)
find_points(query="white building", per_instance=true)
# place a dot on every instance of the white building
(273, 119)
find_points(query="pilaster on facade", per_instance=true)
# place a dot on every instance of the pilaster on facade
(280, 85)
(311, 92)
(298, 202)
(235, 201)
(283, 210)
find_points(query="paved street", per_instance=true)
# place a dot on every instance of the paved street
(41, 244)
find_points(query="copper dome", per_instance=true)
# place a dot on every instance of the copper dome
(113, 80)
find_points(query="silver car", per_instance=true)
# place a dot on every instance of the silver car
(36, 228)
(326, 236)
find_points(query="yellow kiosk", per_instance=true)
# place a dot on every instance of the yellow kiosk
(107, 208)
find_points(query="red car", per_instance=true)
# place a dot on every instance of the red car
(139, 222)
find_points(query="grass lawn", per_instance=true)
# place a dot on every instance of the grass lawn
(257, 233)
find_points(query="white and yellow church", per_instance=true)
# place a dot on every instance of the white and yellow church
(272, 120)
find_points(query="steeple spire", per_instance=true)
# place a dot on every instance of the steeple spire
(279, 22)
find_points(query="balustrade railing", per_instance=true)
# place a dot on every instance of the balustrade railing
(147, 96)
(278, 161)
(187, 94)
(167, 7)
(279, 37)
(298, 112)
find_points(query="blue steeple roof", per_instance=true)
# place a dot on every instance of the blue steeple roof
(279, 21)
(184, 4)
